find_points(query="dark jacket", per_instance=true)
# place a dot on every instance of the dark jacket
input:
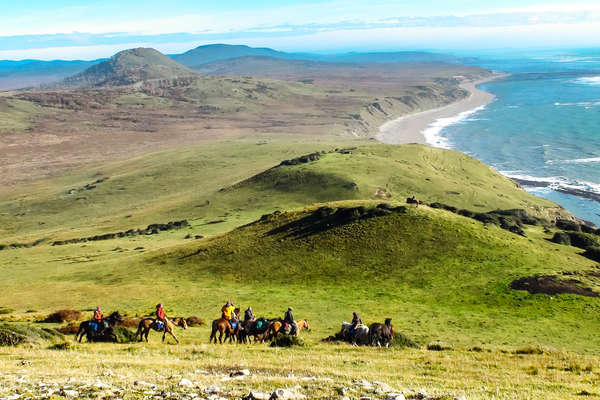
(289, 318)
(356, 321)
(248, 316)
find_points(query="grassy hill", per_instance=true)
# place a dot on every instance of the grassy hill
(128, 67)
(194, 58)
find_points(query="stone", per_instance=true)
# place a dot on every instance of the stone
(142, 384)
(395, 396)
(69, 393)
(212, 389)
(286, 394)
(185, 383)
(241, 372)
(257, 396)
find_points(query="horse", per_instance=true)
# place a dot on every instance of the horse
(148, 324)
(224, 328)
(360, 336)
(104, 335)
(381, 334)
(276, 325)
(255, 328)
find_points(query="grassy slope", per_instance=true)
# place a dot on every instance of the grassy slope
(177, 184)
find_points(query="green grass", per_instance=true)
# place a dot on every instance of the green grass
(17, 115)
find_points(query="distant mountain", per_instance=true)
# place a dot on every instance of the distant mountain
(216, 52)
(129, 67)
(28, 73)
(200, 56)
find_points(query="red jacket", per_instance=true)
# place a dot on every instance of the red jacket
(160, 313)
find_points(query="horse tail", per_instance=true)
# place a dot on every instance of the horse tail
(139, 330)
(213, 333)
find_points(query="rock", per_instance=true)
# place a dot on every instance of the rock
(342, 391)
(257, 396)
(185, 383)
(212, 389)
(286, 394)
(69, 393)
(241, 372)
(395, 396)
(142, 384)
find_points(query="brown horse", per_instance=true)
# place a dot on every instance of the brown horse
(223, 326)
(275, 327)
(148, 324)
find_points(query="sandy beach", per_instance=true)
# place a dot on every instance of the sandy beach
(409, 129)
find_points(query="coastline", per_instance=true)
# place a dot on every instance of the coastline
(410, 128)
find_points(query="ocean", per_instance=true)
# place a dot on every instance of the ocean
(542, 129)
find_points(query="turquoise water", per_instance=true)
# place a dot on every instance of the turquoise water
(544, 126)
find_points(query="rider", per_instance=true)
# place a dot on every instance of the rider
(161, 316)
(248, 315)
(98, 319)
(228, 312)
(355, 322)
(289, 318)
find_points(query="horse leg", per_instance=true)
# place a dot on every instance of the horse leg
(174, 337)
(147, 332)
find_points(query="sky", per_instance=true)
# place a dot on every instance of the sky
(91, 29)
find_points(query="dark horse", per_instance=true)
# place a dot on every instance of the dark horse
(223, 326)
(102, 335)
(148, 324)
(255, 328)
(381, 334)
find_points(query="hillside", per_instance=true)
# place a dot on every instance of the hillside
(128, 67)
(215, 52)
(234, 182)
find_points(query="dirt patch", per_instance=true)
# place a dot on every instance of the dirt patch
(551, 285)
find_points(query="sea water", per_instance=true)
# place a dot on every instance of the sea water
(543, 126)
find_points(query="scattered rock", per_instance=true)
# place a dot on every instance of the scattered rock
(212, 389)
(69, 393)
(241, 372)
(286, 394)
(143, 384)
(185, 383)
(257, 396)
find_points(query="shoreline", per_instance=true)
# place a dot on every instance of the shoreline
(410, 128)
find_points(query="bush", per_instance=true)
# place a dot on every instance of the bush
(582, 240)
(466, 213)
(283, 340)
(438, 346)
(487, 218)
(61, 316)
(593, 253)
(195, 321)
(61, 346)
(402, 341)
(15, 334)
(529, 350)
(124, 335)
(4, 310)
(69, 329)
(562, 238)
(567, 225)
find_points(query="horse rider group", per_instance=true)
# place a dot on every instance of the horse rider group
(99, 324)
(228, 314)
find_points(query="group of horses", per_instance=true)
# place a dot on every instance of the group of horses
(257, 330)
(373, 335)
(106, 333)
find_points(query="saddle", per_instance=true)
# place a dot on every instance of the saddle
(160, 325)
(233, 324)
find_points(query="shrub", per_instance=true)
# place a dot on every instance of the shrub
(402, 341)
(466, 213)
(438, 346)
(195, 321)
(124, 335)
(69, 329)
(4, 310)
(529, 350)
(61, 346)
(582, 240)
(562, 238)
(593, 253)
(61, 316)
(567, 225)
(15, 334)
(130, 322)
(282, 340)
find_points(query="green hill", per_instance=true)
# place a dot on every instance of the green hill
(215, 52)
(128, 67)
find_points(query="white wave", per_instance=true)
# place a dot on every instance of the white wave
(433, 132)
(583, 160)
(592, 80)
(586, 104)
(557, 182)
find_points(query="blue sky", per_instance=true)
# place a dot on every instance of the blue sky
(87, 29)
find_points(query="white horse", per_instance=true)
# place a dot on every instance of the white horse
(360, 337)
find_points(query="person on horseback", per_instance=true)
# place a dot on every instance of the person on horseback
(161, 317)
(98, 319)
(289, 318)
(228, 313)
(355, 322)
(248, 315)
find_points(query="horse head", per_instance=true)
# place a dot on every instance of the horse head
(388, 322)
(114, 318)
(181, 322)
